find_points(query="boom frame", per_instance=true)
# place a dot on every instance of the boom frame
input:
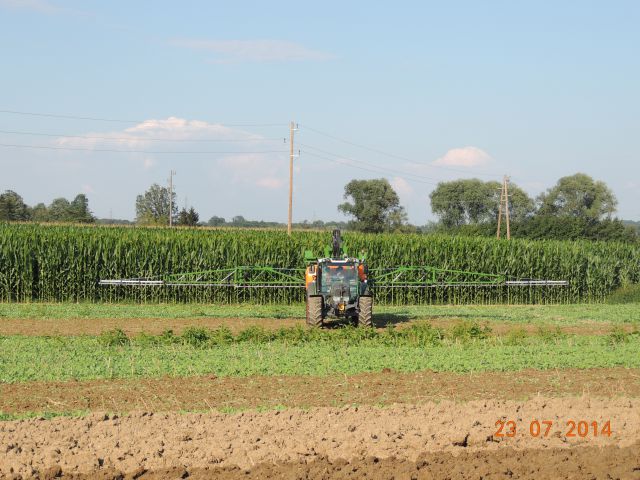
(272, 277)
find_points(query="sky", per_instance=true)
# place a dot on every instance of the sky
(106, 98)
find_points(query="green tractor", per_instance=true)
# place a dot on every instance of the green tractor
(337, 286)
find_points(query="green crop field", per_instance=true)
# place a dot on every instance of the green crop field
(298, 352)
(569, 314)
(64, 263)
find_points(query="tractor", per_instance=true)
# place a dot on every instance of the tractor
(337, 286)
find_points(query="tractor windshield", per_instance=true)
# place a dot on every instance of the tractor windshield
(332, 274)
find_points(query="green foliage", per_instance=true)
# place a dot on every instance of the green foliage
(466, 331)
(539, 227)
(618, 335)
(578, 196)
(113, 338)
(516, 336)
(196, 336)
(625, 294)
(552, 315)
(551, 335)
(12, 207)
(216, 221)
(418, 334)
(48, 359)
(152, 207)
(472, 201)
(64, 263)
(188, 218)
(375, 206)
(573, 228)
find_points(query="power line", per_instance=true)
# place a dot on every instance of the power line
(115, 120)
(389, 170)
(93, 137)
(393, 155)
(362, 168)
(170, 152)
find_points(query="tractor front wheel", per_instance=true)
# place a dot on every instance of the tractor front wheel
(314, 311)
(365, 314)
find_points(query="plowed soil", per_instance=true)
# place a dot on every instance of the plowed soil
(535, 464)
(134, 326)
(446, 439)
(207, 393)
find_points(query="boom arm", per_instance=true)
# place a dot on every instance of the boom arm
(271, 277)
(237, 277)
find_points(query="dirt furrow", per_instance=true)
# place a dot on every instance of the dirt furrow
(205, 393)
(139, 442)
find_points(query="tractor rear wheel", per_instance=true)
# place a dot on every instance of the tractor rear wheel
(314, 311)
(365, 314)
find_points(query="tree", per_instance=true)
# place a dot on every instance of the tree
(216, 221)
(579, 196)
(472, 201)
(189, 218)
(375, 206)
(58, 211)
(12, 207)
(79, 210)
(152, 208)
(39, 213)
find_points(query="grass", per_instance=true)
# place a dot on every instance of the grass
(24, 359)
(625, 294)
(531, 314)
(45, 415)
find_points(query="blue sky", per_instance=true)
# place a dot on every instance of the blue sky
(434, 90)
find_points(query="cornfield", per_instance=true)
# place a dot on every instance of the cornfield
(64, 263)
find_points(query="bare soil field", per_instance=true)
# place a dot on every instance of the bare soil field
(534, 464)
(383, 388)
(452, 439)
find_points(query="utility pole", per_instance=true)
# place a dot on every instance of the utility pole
(171, 174)
(504, 203)
(291, 130)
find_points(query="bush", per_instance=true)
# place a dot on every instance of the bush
(465, 331)
(195, 336)
(516, 336)
(114, 338)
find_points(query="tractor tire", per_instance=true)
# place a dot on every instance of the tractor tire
(314, 311)
(365, 314)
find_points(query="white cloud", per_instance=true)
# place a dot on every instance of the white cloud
(154, 131)
(181, 135)
(401, 186)
(464, 157)
(231, 51)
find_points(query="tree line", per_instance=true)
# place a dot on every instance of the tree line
(577, 207)
(13, 208)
